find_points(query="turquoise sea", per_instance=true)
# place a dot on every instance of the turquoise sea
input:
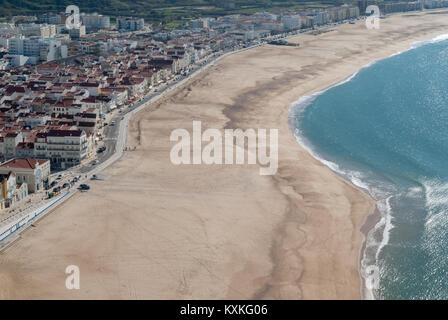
(386, 130)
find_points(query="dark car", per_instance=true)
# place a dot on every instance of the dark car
(101, 149)
(65, 185)
(84, 187)
(57, 189)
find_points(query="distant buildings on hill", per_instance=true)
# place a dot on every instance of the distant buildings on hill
(130, 24)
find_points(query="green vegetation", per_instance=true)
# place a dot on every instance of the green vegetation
(168, 12)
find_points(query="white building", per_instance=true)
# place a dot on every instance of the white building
(9, 190)
(34, 172)
(202, 23)
(92, 87)
(130, 24)
(45, 49)
(34, 120)
(65, 148)
(291, 22)
(12, 61)
(8, 29)
(321, 17)
(95, 22)
(39, 30)
(10, 141)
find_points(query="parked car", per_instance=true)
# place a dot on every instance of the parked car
(84, 187)
(101, 149)
(65, 185)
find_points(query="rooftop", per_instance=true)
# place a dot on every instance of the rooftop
(23, 163)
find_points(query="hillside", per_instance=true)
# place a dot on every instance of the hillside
(168, 11)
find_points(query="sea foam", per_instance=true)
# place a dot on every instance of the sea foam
(435, 192)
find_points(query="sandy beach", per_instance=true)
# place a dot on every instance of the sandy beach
(154, 230)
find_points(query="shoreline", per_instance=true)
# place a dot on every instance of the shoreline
(298, 107)
(370, 223)
(219, 232)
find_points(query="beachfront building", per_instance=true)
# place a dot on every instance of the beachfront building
(34, 172)
(8, 186)
(433, 4)
(10, 190)
(66, 148)
(291, 22)
(322, 17)
(2, 199)
(363, 4)
(387, 8)
(21, 191)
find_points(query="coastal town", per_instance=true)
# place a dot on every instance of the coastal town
(63, 90)
(235, 150)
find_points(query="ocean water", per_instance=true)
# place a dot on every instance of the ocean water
(386, 130)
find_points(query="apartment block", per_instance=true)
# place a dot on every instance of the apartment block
(130, 24)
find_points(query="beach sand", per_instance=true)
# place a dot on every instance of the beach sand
(154, 230)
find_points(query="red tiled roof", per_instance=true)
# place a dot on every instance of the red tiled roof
(64, 133)
(23, 163)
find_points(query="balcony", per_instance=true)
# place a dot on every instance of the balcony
(63, 150)
(64, 143)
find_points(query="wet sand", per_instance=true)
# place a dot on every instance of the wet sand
(154, 230)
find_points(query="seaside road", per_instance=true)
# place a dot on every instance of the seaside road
(114, 141)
